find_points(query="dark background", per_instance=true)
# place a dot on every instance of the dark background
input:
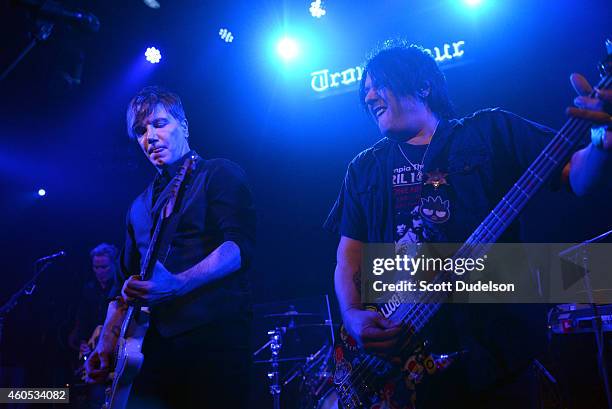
(245, 105)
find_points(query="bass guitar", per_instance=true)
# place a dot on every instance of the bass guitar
(364, 380)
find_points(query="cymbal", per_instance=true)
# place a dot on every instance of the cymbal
(313, 325)
(294, 358)
(291, 314)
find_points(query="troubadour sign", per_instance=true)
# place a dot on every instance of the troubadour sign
(323, 81)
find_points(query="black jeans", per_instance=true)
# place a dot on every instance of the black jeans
(207, 367)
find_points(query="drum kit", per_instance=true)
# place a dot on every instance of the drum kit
(298, 356)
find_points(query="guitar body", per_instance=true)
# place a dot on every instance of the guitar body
(129, 360)
(364, 380)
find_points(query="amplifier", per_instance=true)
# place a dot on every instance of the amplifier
(578, 318)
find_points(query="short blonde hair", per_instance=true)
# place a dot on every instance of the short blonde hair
(105, 249)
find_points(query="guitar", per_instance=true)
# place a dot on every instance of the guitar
(84, 356)
(128, 355)
(364, 380)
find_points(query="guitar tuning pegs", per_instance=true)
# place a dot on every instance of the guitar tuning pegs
(605, 67)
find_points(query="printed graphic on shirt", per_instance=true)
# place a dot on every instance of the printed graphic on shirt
(407, 183)
(435, 209)
(418, 211)
(408, 175)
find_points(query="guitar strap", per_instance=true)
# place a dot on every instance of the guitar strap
(172, 222)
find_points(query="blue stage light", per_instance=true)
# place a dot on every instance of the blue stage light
(153, 55)
(473, 3)
(42, 192)
(154, 4)
(287, 48)
(226, 35)
(316, 9)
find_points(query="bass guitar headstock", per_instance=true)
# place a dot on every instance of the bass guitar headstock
(605, 67)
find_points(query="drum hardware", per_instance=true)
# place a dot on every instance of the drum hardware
(579, 255)
(317, 382)
(275, 343)
(547, 387)
(267, 361)
(274, 375)
(316, 388)
(291, 314)
(308, 370)
(289, 317)
(311, 361)
(297, 332)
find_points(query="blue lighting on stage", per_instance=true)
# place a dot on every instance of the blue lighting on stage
(42, 192)
(287, 48)
(473, 3)
(154, 4)
(153, 55)
(293, 52)
(316, 9)
(226, 35)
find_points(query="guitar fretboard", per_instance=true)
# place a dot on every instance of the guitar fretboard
(554, 155)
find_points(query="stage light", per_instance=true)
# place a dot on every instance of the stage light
(287, 48)
(316, 9)
(154, 4)
(42, 192)
(473, 3)
(153, 55)
(226, 35)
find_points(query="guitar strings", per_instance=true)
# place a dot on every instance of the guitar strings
(541, 165)
(560, 146)
(422, 309)
(429, 310)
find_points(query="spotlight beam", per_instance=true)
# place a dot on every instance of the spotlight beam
(287, 48)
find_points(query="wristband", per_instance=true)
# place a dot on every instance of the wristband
(598, 136)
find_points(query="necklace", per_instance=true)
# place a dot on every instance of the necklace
(420, 168)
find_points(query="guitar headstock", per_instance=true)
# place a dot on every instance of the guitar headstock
(176, 183)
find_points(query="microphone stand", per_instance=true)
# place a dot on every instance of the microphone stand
(44, 30)
(27, 289)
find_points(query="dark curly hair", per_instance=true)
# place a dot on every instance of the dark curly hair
(406, 69)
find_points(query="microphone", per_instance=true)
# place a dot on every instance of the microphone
(52, 256)
(57, 12)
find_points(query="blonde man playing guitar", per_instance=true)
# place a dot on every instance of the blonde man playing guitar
(196, 347)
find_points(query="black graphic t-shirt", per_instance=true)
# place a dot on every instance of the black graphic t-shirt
(407, 184)
(420, 208)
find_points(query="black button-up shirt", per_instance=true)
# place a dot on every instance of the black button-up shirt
(217, 206)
